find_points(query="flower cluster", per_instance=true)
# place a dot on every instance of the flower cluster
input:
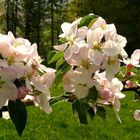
(21, 72)
(91, 62)
(94, 53)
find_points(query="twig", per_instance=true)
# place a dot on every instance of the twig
(131, 89)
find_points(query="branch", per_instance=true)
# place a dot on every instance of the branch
(26, 102)
(131, 89)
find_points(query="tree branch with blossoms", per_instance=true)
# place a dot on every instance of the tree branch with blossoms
(91, 63)
(100, 70)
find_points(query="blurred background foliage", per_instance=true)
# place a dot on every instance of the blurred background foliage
(40, 20)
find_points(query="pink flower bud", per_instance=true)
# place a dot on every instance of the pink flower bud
(130, 66)
(106, 94)
(22, 92)
(129, 73)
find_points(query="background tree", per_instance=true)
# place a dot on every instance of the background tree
(57, 14)
(11, 15)
(2, 17)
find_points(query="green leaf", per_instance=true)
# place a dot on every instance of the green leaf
(60, 62)
(93, 94)
(122, 73)
(0, 113)
(56, 57)
(76, 106)
(62, 40)
(84, 106)
(18, 114)
(101, 112)
(50, 55)
(134, 77)
(82, 117)
(91, 113)
(86, 20)
(81, 107)
(60, 73)
(92, 22)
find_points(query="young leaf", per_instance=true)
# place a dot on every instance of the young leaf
(61, 73)
(86, 20)
(92, 22)
(18, 115)
(50, 55)
(60, 62)
(56, 57)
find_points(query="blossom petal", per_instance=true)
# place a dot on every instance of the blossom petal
(81, 33)
(96, 57)
(43, 101)
(61, 47)
(81, 91)
(48, 78)
(94, 36)
(110, 48)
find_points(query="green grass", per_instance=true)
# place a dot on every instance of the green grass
(61, 124)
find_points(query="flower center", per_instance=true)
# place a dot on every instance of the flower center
(97, 46)
(111, 61)
(85, 63)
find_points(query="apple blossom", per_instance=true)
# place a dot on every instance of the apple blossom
(8, 91)
(94, 36)
(8, 38)
(42, 100)
(74, 38)
(109, 31)
(70, 29)
(137, 115)
(96, 57)
(22, 73)
(78, 81)
(111, 66)
(100, 22)
(79, 57)
(110, 91)
(71, 34)
(6, 49)
(17, 70)
(134, 60)
(39, 87)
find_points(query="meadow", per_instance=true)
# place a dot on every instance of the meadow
(62, 124)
